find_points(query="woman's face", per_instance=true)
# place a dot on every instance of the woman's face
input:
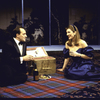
(70, 34)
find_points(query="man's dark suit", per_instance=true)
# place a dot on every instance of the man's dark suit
(11, 69)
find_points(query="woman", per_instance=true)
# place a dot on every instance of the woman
(82, 66)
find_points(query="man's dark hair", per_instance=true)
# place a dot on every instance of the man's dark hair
(16, 30)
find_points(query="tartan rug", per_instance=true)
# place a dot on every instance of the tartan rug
(88, 92)
(54, 87)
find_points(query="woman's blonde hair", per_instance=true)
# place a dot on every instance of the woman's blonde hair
(77, 36)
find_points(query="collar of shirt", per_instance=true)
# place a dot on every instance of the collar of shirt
(19, 46)
(17, 42)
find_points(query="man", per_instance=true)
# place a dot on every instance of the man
(13, 69)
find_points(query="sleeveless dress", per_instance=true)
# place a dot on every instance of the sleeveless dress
(82, 69)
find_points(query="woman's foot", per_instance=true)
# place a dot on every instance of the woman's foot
(61, 70)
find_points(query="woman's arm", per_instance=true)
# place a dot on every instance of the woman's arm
(85, 57)
(75, 54)
(65, 63)
(84, 44)
(66, 60)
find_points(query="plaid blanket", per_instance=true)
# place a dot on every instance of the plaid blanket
(88, 92)
(54, 87)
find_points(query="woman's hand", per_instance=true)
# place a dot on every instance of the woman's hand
(74, 54)
(61, 70)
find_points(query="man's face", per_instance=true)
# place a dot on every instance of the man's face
(22, 36)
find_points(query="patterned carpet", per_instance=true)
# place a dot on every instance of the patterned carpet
(92, 91)
(88, 92)
(55, 87)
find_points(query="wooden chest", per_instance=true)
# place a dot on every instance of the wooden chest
(45, 64)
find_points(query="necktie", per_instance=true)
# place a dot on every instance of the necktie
(20, 43)
(20, 47)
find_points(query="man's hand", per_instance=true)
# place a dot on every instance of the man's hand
(28, 58)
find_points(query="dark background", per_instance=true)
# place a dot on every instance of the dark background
(59, 20)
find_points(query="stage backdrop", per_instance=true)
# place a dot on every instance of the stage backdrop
(45, 20)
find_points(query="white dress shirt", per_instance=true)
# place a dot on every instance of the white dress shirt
(20, 49)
